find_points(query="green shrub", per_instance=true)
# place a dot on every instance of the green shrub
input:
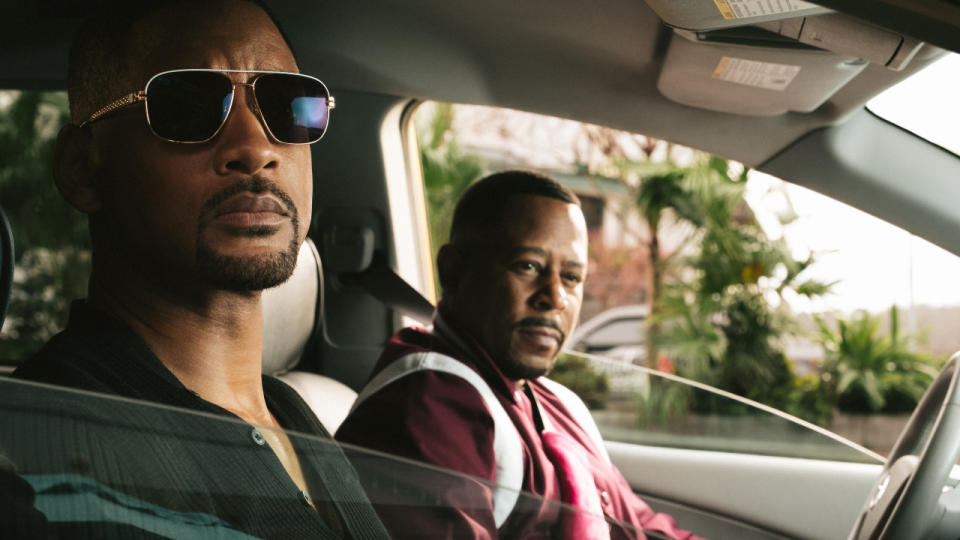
(870, 372)
(811, 400)
(666, 401)
(578, 375)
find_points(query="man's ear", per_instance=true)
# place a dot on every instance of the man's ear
(450, 267)
(73, 169)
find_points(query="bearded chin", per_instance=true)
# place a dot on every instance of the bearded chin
(246, 274)
(516, 369)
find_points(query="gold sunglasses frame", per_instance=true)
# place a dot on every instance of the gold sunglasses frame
(140, 96)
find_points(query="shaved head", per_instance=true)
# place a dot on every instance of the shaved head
(482, 205)
(109, 47)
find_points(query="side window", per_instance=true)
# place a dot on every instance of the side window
(52, 251)
(748, 284)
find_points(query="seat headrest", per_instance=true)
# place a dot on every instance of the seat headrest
(290, 312)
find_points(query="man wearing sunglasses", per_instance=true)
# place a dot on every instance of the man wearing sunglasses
(189, 151)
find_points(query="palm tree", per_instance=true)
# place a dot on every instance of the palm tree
(656, 195)
(717, 320)
(663, 198)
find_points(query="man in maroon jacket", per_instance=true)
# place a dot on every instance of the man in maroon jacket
(469, 394)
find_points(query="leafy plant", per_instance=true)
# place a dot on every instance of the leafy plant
(870, 372)
(50, 237)
(577, 374)
(46, 282)
(811, 400)
(719, 325)
(664, 403)
(447, 172)
(753, 365)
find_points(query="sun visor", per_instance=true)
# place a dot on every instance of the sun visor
(847, 35)
(704, 15)
(752, 79)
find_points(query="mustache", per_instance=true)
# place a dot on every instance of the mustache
(253, 184)
(541, 322)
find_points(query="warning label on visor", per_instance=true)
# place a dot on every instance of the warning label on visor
(766, 75)
(744, 9)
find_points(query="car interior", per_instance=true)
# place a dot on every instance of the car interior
(780, 86)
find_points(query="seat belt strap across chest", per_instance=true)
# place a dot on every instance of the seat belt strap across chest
(508, 450)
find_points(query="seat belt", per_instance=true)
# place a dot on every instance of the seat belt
(507, 447)
(382, 282)
(348, 246)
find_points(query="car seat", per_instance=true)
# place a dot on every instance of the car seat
(6, 264)
(292, 317)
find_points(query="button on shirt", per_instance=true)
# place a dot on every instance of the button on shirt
(257, 437)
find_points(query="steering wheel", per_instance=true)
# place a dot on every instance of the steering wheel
(909, 500)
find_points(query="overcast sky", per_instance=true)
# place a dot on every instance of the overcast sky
(871, 258)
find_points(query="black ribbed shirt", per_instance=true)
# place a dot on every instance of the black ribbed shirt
(211, 463)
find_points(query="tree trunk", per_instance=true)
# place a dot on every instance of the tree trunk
(653, 300)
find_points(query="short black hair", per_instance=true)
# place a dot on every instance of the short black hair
(98, 54)
(482, 205)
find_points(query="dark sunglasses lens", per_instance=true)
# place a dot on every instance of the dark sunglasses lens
(293, 106)
(188, 106)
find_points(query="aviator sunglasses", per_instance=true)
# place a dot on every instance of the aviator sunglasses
(191, 105)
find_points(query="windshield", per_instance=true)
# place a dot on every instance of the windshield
(78, 464)
(926, 103)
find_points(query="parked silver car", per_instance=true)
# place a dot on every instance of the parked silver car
(618, 333)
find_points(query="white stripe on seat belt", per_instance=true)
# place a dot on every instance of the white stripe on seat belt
(506, 440)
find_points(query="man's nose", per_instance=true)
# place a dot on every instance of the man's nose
(551, 295)
(243, 144)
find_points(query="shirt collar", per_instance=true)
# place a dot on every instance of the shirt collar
(109, 331)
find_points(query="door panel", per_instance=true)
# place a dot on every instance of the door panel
(802, 498)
